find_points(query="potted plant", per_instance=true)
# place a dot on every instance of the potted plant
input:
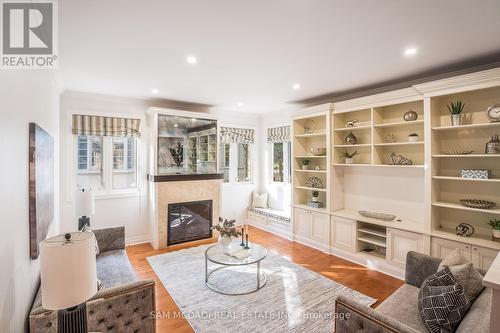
(413, 137)
(315, 195)
(349, 158)
(226, 230)
(455, 109)
(495, 224)
(305, 164)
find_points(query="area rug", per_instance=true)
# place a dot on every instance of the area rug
(294, 299)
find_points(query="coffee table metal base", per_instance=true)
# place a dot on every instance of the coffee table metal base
(260, 281)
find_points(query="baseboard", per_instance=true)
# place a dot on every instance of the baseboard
(138, 240)
(315, 245)
(282, 232)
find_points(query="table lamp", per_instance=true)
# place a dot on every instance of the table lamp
(84, 206)
(68, 278)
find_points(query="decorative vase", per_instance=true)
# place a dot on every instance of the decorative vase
(493, 146)
(455, 119)
(351, 139)
(496, 234)
(410, 116)
(314, 199)
(304, 167)
(225, 241)
(349, 160)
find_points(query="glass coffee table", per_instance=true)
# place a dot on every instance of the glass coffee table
(217, 255)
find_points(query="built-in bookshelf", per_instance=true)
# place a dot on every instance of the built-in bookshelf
(311, 133)
(457, 148)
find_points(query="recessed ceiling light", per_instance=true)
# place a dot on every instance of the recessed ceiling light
(296, 86)
(193, 119)
(410, 51)
(191, 60)
(155, 91)
(240, 104)
(175, 125)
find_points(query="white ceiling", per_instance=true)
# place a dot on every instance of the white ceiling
(253, 51)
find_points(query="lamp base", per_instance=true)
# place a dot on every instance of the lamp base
(72, 320)
(83, 221)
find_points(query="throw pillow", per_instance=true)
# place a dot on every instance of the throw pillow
(455, 258)
(259, 201)
(469, 278)
(442, 303)
(86, 228)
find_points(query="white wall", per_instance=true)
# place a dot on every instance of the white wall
(133, 212)
(25, 96)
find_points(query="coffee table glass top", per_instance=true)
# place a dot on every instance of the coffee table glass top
(216, 254)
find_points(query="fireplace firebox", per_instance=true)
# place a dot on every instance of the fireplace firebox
(189, 221)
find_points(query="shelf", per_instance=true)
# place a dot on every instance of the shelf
(348, 129)
(475, 239)
(494, 211)
(310, 188)
(375, 232)
(491, 180)
(310, 156)
(416, 166)
(353, 146)
(390, 144)
(466, 156)
(373, 254)
(312, 171)
(372, 240)
(399, 124)
(303, 206)
(311, 135)
(466, 127)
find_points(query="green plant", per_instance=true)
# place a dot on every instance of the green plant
(495, 224)
(346, 154)
(306, 162)
(456, 107)
(315, 194)
(227, 228)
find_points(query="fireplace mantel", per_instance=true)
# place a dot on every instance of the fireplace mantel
(184, 177)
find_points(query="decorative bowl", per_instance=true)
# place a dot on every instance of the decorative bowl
(378, 216)
(318, 151)
(478, 204)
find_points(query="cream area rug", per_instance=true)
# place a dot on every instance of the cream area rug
(294, 299)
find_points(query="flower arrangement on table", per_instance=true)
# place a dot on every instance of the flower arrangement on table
(226, 228)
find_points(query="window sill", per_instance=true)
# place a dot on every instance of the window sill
(120, 195)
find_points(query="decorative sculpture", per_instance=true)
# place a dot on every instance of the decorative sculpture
(400, 159)
(351, 123)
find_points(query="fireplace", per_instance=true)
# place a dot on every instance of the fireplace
(189, 221)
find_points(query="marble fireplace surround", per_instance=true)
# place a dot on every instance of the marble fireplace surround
(171, 190)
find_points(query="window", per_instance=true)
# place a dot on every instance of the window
(281, 162)
(107, 164)
(236, 162)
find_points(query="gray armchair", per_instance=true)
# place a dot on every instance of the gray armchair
(124, 305)
(399, 313)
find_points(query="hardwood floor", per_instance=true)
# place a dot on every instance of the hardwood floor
(362, 279)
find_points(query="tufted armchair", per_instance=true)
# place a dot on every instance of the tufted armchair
(124, 305)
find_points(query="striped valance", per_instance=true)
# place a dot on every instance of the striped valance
(106, 126)
(278, 134)
(236, 135)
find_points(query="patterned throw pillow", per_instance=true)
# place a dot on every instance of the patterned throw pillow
(86, 228)
(442, 303)
(454, 258)
(469, 278)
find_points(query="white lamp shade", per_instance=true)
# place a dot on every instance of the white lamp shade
(84, 202)
(68, 270)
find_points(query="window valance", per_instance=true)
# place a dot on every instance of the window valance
(106, 126)
(236, 135)
(278, 134)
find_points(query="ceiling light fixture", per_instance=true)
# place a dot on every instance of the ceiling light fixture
(240, 104)
(175, 125)
(191, 60)
(296, 86)
(155, 91)
(410, 51)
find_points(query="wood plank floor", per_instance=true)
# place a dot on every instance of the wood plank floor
(362, 279)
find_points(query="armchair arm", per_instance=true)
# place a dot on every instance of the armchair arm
(419, 267)
(110, 239)
(351, 316)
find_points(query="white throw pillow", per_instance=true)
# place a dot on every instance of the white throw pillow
(259, 201)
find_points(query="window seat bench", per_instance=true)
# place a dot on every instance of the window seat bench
(269, 216)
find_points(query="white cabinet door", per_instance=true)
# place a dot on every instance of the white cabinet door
(399, 243)
(482, 258)
(302, 222)
(442, 247)
(343, 233)
(320, 228)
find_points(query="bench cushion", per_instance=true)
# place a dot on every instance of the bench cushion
(274, 213)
